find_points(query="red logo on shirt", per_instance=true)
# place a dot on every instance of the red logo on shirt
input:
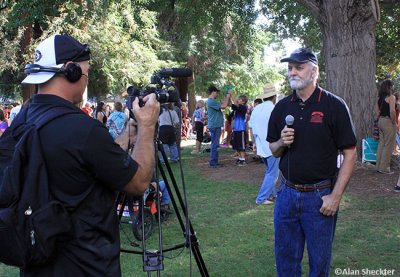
(317, 117)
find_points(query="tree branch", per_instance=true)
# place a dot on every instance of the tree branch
(312, 6)
(389, 2)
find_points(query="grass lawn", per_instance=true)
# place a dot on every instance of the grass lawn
(236, 236)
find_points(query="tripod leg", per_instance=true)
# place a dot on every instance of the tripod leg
(192, 236)
(120, 203)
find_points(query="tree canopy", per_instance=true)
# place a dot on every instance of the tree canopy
(289, 19)
(130, 40)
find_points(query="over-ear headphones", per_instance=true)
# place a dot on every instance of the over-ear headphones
(73, 71)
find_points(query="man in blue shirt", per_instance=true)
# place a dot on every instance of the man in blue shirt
(215, 122)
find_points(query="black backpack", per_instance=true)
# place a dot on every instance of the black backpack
(32, 224)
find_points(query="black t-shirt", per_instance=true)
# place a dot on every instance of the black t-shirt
(85, 169)
(384, 107)
(322, 125)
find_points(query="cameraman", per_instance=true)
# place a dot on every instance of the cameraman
(85, 165)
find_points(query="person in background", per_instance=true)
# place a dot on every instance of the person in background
(108, 110)
(6, 112)
(168, 121)
(185, 121)
(101, 112)
(239, 108)
(87, 109)
(215, 122)
(386, 109)
(257, 101)
(14, 111)
(117, 120)
(3, 123)
(199, 116)
(178, 128)
(258, 125)
(311, 186)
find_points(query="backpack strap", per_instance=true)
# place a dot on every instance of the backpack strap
(52, 114)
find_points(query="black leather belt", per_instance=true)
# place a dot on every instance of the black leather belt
(307, 187)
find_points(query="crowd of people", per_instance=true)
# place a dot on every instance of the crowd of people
(7, 115)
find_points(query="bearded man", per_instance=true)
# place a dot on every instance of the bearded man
(312, 185)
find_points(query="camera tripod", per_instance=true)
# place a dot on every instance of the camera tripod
(153, 259)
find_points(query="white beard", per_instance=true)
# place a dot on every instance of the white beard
(298, 84)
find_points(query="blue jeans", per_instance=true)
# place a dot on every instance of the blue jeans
(297, 220)
(165, 195)
(173, 152)
(268, 189)
(215, 135)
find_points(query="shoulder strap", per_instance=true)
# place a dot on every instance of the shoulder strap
(52, 114)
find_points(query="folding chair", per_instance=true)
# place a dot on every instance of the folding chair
(369, 148)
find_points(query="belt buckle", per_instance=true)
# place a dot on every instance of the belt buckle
(298, 187)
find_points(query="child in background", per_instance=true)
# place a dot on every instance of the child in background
(199, 116)
(239, 128)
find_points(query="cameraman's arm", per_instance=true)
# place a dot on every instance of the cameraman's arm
(144, 151)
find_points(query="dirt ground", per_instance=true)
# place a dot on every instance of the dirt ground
(366, 182)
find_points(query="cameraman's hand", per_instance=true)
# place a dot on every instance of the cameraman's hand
(147, 115)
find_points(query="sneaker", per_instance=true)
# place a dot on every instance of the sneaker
(242, 163)
(266, 202)
(397, 188)
(272, 199)
(237, 162)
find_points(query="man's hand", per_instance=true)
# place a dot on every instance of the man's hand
(147, 115)
(287, 136)
(330, 205)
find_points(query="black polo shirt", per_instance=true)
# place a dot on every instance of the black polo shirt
(85, 169)
(322, 125)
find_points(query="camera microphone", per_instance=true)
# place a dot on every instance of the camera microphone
(175, 72)
(289, 121)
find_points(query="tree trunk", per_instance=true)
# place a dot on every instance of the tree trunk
(348, 30)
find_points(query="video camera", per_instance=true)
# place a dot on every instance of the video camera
(162, 87)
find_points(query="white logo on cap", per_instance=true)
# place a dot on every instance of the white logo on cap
(38, 55)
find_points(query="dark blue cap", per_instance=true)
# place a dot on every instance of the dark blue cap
(301, 55)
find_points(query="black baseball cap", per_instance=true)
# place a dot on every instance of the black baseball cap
(301, 55)
(212, 88)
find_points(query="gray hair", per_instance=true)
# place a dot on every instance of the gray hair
(312, 65)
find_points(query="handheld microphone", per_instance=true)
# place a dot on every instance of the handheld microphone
(175, 72)
(289, 119)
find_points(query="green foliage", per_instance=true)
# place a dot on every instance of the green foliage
(129, 40)
(388, 43)
(221, 43)
(289, 19)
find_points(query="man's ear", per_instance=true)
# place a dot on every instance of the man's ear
(314, 72)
